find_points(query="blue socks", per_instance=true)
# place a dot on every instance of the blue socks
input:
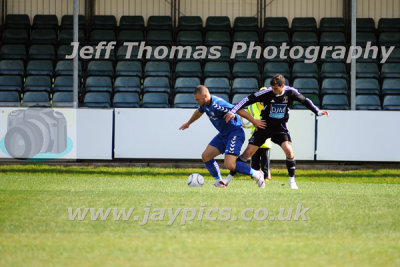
(213, 168)
(243, 168)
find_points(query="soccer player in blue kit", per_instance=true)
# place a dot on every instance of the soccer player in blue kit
(276, 99)
(228, 141)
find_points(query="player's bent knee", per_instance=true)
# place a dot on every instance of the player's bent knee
(230, 164)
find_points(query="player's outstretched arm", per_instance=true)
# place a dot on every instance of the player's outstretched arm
(196, 115)
(257, 123)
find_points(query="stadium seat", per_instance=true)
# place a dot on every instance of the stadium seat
(123, 52)
(304, 39)
(225, 55)
(45, 22)
(98, 84)
(245, 24)
(126, 100)
(276, 38)
(17, 21)
(389, 25)
(368, 102)
(218, 23)
(276, 24)
(274, 54)
(157, 68)
(188, 69)
(314, 98)
(238, 97)
(365, 25)
(217, 85)
(97, 100)
(67, 36)
(338, 102)
(104, 22)
(42, 52)
(65, 84)
(394, 56)
(159, 23)
(187, 53)
(131, 23)
(44, 36)
(391, 87)
(367, 70)
(12, 67)
(331, 24)
(184, 100)
(390, 70)
(127, 84)
(129, 68)
(36, 99)
(371, 57)
(244, 86)
(391, 102)
(363, 37)
(272, 68)
(332, 38)
(189, 38)
(304, 24)
(65, 67)
(220, 38)
(15, 36)
(245, 69)
(67, 22)
(159, 37)
(190, 23)
(156, 84)
(9, 51)
(37, 83)
(11, 83)
(158, 53)
(103, 54)
(155, 100)
(186, 84)
(97, 36)
(40, 67)
(130, 36)
(304, 70)
(100, 68)
(246, 37)
(389, 39)
(63, 99)
(63, 51)
(217, 69)
(334, 86)
(9, 99)
(223, 96)
(333, 70)
(366, 86)
(328, 57)
(306, 85)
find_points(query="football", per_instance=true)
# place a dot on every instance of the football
(195, 180)
(246, 123)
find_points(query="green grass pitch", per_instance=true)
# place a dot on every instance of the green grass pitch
(353, 218)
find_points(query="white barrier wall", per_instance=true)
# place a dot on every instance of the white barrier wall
(359, 136)
(154, 134)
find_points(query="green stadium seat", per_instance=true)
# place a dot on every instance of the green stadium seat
(127, 84)
(389, 25)
(38, 83)
(15, 36)
(129, 68)
(156, 84)
(130, 36)
(217, 69)
(305, 70)
(11, 83)
(65, 84)
(223, 96)
(67, 36)
(103, 55)
(334, 24)
(238, 97)
(131, 23)
(189, 38)
(276, 24)
(306, 85)
(367, 70)
(100, 68)
(159, 23)
(12, 67)
(272, 68)
(183, 100)
(104, 22)
(97, 36)
(37, 51)
(245, 24)
(217, 85)
(159, 37)
(45, 22)
(13, 51)
(328, 57)
(332, 38)
(245, 86)
(304, 24)
(218, 38)
(40, 67)
(9, 99)
(389, 39)
(366, 86)
(225, 55)
(126, 100)
(122, 53)
(335, 102)
(157, 68)
(391, 102)
(63, 51)
(67, 22)
(65, 67)
(218, 23)
(363, 37)
(190, 23)
(63, 99)
(44, 36)
(391, 86)
(99, 84)
(245, 69)
(17, 21)
(390, 70)
(334, 86)
(394, 56)
(314, 98)
(276, 38)
(97, 100)
(333, 70)
(274, 55)
(188, 69)
(368, 102)
(365, 25)
(304, 39)
(33, 98)
(246, 37)
(155, 100)
(186, 84)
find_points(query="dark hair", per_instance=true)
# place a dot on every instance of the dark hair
(278, 79)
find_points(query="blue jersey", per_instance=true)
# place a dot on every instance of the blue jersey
(216, 111)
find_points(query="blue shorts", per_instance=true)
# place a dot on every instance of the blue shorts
(231, 144)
